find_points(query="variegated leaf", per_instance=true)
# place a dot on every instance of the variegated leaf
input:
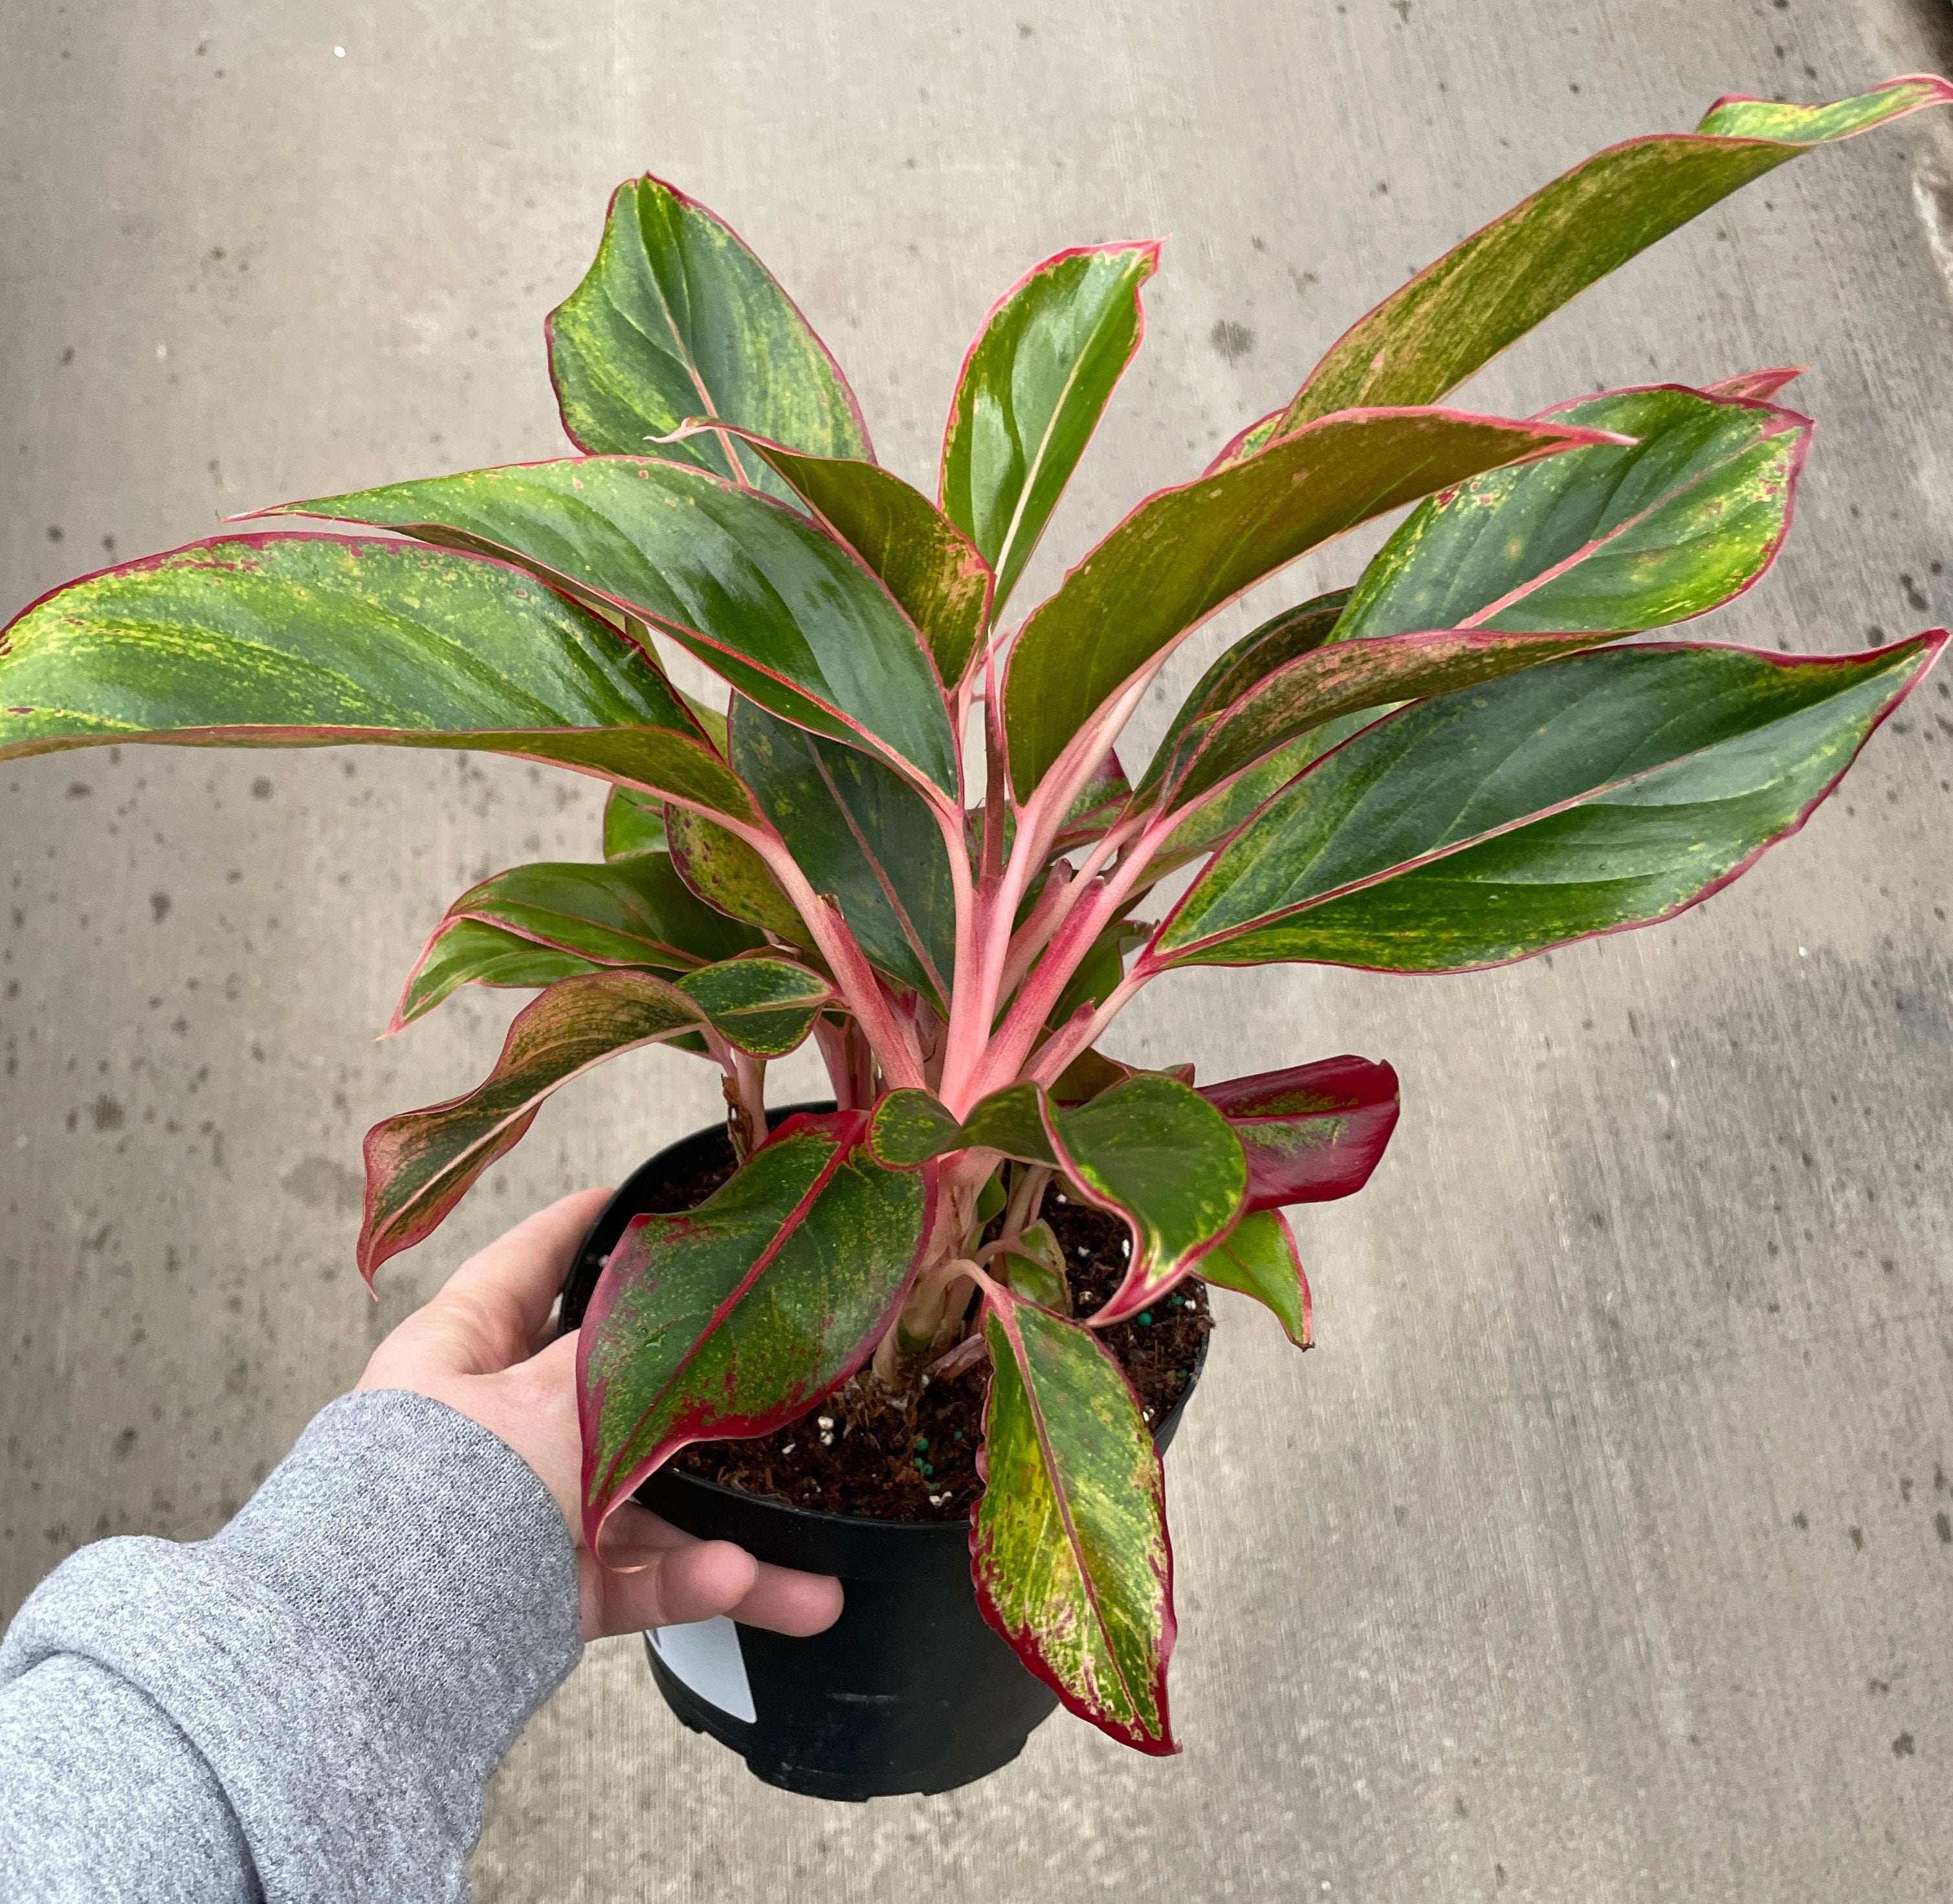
(1069, 1547)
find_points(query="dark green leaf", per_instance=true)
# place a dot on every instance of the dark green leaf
(1100, 972)
(465, 952)
(1282, 638)
(304, 640)
(1069, 1551)
(635, 912)
(925, 562)
(678, 319)
(1345, 678)
(419, 1165)
(633, 823)
(1424, 340)
(1097, 806)
(862, 834)
(1210, 822)
(1610, 540)
(759, 593)
(1258, 1258)
(729, 875)
(736, 1318)
(1033, 389)
(1609, 789)
(1185, 553)
(909, 1126)
(763, 1006)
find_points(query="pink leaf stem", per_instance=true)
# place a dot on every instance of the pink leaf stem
(895, 1048)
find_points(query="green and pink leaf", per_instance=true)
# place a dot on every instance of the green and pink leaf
(733, 1318)
(1311, 1133)
(1258, 1257)
(1068, 1545)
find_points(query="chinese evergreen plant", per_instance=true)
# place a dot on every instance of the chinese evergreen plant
(911, 839)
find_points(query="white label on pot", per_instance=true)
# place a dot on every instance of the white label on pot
(705, 1654)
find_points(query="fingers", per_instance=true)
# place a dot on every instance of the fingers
(502, 1296)
(790, 1602)
(676, 1578)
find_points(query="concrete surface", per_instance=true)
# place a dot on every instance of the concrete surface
(1602, 1549)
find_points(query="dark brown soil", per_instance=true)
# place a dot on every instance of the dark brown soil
(862, 1453)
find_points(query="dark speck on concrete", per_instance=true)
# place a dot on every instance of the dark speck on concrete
(318, 1182)
(1903, 1746)
(1801, 1519)
(1233, 340)
(159, 906)
(1857, 1538)
(1943, 1524)
(79, 790)
(261, 788)
(108, 1115)
(1913, 597)
(54, 532)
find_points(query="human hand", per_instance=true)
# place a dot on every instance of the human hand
(484, 1345)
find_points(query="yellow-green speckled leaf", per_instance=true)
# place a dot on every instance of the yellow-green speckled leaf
(677, 319)
(1069, 1549)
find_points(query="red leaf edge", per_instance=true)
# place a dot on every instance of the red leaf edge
(1023, 1643)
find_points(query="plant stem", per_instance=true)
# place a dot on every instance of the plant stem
(1039, 821)
(894, 1047)
(745, 1089)
(1010, 1048)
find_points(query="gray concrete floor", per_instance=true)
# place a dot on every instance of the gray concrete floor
(1601, 1550)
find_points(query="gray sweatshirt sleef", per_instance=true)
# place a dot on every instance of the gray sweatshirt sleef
(305, 1708)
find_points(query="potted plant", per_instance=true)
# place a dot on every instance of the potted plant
(962, 1304)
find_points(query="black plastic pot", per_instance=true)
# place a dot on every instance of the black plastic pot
(910, 1690)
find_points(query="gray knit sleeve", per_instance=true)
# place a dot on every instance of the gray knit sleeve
(307, 1706)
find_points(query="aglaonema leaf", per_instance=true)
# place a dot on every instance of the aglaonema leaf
(633, 823)
(634, 911)
(1098, 805)
(1328, 683)
(1455, 315)
(1068, 1547)
(465, 952)
(1281, 639)
(862, 834)
(1150, 1149)
(318, 640)
(733, 1318)
(1098, 972)
(420, 1164)
(1185, 553)
(1031, 390)
(765, 598)
(1612, 539)
(1258, 1257)
(1606, 790)
(729, 876)
(764, 1006)
(923, 560)
(1311, 1133)
(677, 318)
(1210, 820)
